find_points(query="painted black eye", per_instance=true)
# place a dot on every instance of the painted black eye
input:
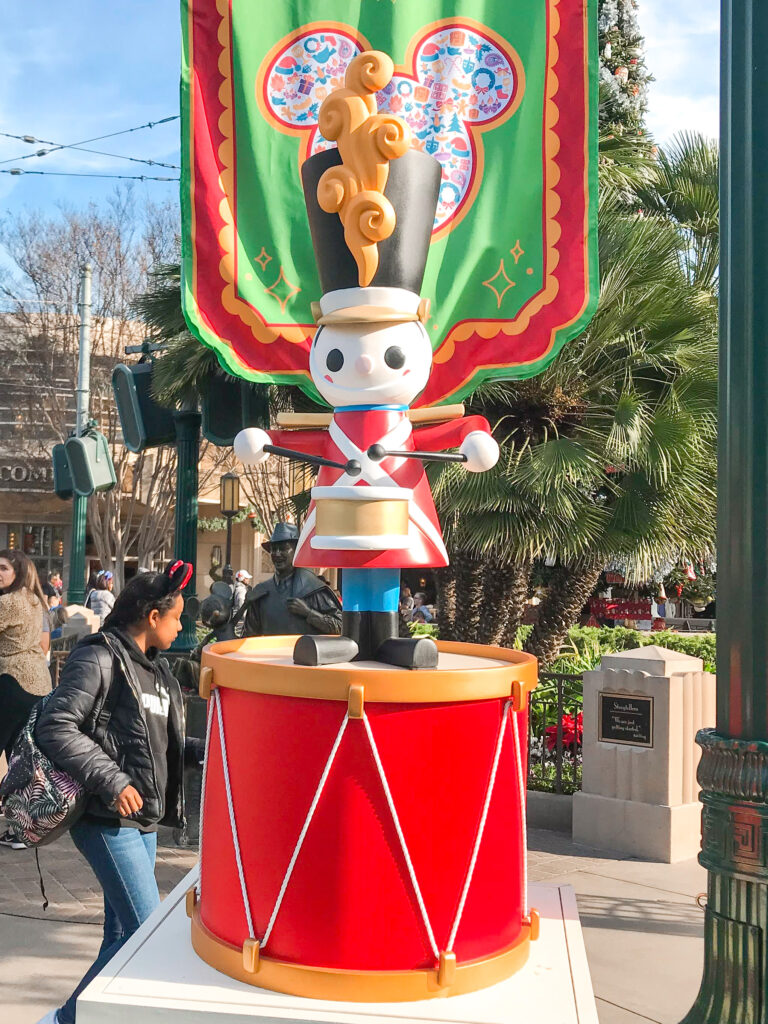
(394, 357)
(334, 360)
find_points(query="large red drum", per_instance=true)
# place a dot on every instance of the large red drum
(363, 829)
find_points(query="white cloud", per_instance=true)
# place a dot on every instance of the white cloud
(682, 39)
(675, 113)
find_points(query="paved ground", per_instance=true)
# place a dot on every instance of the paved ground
(642, 927)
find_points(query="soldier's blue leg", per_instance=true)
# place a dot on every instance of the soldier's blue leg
(370, 599)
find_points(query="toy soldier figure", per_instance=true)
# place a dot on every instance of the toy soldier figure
(371, 512)
(295, 600)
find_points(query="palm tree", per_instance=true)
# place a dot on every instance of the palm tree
(684, 189)
(607, 454)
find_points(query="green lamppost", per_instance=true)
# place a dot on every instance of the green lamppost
(229, 502)
(187, 422)
(734, 764)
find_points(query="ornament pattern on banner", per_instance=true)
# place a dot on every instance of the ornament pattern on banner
(462, 81)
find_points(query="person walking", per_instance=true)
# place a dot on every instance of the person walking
(57, 583)
(406, 603)
(242, 586)
(420, 611)
(101, 599)
(134, 774)
(22, 606)
(24, 672)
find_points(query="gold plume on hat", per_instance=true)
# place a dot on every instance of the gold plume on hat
(367, 141)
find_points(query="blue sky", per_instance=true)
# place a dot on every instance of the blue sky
(82, 68)
(79, 69)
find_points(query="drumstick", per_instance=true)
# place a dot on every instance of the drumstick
(321, 420)
(377, 452)
(352, 467)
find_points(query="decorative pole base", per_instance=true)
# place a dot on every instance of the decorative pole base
(734, 778)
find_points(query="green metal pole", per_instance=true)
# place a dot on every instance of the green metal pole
(185, 544)
(734, 765)
(76, 588)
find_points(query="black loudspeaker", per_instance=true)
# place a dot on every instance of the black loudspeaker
(229, 405)
(90, 464)
(62, 478)
(145, 424)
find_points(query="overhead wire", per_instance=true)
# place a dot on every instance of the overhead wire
(86, 174)
(98, 152)
(33, 140)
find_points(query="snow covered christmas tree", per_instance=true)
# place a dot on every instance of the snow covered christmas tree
(624, 77)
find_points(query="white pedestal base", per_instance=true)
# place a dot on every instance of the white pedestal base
(158, 979)
(668, 834)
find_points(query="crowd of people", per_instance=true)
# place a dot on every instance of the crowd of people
(414, 608)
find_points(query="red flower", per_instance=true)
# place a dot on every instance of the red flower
(573, 732)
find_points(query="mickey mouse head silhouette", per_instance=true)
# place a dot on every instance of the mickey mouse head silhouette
(459, 79)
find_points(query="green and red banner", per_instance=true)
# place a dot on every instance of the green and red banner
(503, 94)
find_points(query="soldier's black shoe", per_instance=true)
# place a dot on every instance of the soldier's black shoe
(323, 650)
(416, 652)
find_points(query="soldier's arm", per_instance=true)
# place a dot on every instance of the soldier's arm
(310, 442)
(439, 436)
(471, 435)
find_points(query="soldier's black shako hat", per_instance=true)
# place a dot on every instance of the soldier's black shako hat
(412, 188)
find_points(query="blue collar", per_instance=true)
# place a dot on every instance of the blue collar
(365, 408)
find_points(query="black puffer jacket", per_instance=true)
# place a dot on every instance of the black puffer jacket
(123, 756)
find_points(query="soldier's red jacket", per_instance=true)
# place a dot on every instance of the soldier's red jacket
(349, 436)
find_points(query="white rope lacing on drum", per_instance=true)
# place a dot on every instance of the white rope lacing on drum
(302, 835)
(481, 826)
(201, 844)
(216, 700)
(401, 837)
(521, 800)
(232, 823)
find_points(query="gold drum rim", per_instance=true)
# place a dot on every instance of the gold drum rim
(511, 674)
(358, 986)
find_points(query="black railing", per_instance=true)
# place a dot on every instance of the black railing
(60, 648)
(554, 733)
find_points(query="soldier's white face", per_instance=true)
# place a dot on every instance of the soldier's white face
(370, 364)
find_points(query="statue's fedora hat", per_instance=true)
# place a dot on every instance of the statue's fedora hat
(282, 532)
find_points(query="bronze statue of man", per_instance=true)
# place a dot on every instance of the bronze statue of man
(295, 600)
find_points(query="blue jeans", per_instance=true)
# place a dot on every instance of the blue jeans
(123, 860)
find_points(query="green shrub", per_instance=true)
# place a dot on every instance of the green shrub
(587, 644)
(424, 629)
(542, 777)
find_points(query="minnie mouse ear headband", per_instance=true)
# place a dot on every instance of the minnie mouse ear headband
(178, 574)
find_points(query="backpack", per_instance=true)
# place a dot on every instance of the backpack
(41, 801)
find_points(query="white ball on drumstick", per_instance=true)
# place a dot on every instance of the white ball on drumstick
(249, 446)
(481, 451)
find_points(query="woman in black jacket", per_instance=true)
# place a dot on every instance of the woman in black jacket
(132, 763)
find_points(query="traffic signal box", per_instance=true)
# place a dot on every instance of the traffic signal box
(144, 422)
(62, 478)
(229, 405)
(90, 464)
